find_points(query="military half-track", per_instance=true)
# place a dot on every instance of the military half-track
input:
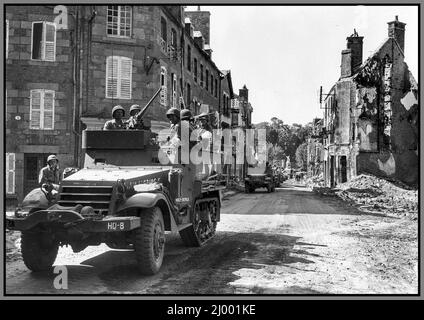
(124, 197)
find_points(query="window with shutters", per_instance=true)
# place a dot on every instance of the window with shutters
(10, 173)
(211, 84)
(188, 58)
(119, 21)
(43, 41)
(201, 75)
(118, 77)
(207, 79)
(174, 38)
(7, 38)
(163, 29)
(174, 90)
(195, 70)
(163, 84)
(42, 109)
(188, 95)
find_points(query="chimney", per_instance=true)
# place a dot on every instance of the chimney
(397, 31)
(346, 67)
(201, 22)
(244, 93)
(354, 43)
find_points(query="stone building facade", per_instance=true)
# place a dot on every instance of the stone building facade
(39, 90)
(371, 114)
(130, 58)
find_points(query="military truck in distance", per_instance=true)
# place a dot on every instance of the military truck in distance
(256, 177)
(124, 197)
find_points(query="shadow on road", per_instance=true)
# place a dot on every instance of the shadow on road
(212, 269)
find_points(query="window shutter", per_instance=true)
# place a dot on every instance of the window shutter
(7, 38)
(164, 91)
(35, 113)
(125, 77)
(10, 171)
(111, 77)
(48, 111)
(174, 91)
(49, 41)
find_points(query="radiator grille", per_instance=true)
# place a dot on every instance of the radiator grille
(97, 197)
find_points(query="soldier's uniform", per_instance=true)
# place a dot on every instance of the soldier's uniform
(114, 125)
(49, 175)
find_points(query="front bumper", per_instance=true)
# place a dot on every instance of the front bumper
(71, 219)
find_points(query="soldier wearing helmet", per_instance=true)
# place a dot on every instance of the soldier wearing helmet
(116, 123)
(173, 116)
(49, 176)
(134, 122)
(187, 121)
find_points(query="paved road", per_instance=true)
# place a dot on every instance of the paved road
(288, 242)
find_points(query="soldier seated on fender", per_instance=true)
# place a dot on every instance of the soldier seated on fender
(49, 177)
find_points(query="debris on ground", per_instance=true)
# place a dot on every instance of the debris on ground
(371, 193)
(13, 247)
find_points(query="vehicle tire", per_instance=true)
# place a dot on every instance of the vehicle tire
(269, 188)
(38, 251)
(149, 241)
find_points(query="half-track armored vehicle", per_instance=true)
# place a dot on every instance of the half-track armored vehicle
(124, 197)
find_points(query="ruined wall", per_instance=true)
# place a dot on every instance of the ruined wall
(388, 120)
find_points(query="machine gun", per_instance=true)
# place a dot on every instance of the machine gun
(139, 115)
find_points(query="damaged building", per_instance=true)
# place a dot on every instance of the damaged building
(371, 114)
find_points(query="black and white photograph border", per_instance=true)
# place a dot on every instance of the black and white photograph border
(312, 192)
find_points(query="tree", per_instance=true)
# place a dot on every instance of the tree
(302, 156)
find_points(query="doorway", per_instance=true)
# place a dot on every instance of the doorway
(33, 163)
(343, 169)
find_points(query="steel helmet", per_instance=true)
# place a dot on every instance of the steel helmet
(203, 115)
(173, 111)
(135, 107)
(52, 157)
(186, 114)
(118, 107)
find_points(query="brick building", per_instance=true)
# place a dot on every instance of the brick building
(135, 50)
(371, 114)
(39, 96)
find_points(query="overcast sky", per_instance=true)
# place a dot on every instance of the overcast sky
(284, 53)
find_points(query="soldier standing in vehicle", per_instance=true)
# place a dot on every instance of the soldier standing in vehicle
(173, 116)
(49, 176)
(118, 112)
(134, 122)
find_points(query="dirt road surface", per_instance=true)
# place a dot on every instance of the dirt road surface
(288, 242)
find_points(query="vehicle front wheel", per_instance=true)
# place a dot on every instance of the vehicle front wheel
(39, 251)
(149, 241)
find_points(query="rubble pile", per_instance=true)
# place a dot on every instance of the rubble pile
(12, 245)
(315, 182)
(376, 194)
